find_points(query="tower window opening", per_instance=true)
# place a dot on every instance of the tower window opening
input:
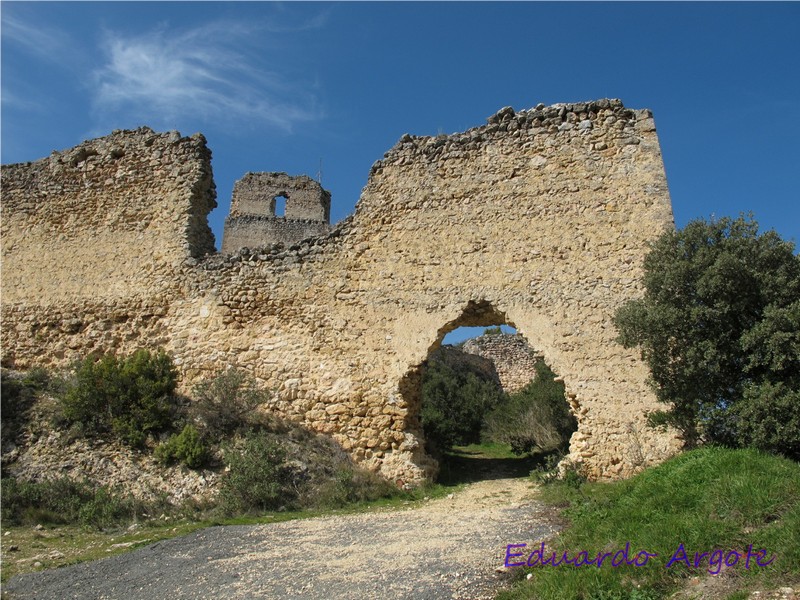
(280, 205)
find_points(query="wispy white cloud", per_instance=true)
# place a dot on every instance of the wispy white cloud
(15, 101)
(283, 25)
(215, 72)
(42, 41)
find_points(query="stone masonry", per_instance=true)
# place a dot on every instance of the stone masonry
(253, 221)
(512, 357)
(539, 219)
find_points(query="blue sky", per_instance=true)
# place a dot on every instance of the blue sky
(285, 86)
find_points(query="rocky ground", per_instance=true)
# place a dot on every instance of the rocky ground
(37, 451)
(110, 464)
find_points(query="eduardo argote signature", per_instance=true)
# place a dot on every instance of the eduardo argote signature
(715, 559)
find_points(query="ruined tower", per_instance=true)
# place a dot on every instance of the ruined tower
(254, 220)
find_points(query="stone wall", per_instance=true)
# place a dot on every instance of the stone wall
(92, 241)
(539, 219)
(250, 231)
(512, 356)
(253, 220)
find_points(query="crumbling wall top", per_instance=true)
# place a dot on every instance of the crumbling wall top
(114, 216)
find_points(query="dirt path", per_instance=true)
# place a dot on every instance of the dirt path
(446, 548)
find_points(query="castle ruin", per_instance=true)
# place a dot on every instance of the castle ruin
(539, 219)
(253, 220)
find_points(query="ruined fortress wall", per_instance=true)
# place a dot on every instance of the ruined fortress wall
(255, 194)
(511, 355)
(539, 219)
(92, 238)
(249, 231)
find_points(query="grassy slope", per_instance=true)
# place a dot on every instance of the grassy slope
(706, 499)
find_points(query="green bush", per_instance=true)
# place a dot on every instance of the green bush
(294, 468)
(15, 400)
(258, 478)
(769, 419)
(719, 326)
(17, 393)
(535, 418)
(186, 447)
(350, 484)
(454, 402)
(128, 397)
(65, 501)
(227, 403)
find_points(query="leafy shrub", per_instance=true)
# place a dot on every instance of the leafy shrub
(258, 478)
(350, 484)
(226, 404)
(719, 326)
(535, 418)
(62, 501)
(454, 402)
(282, 465)
(546, 472)
(769, 419)
(186, 447)
(128, 397)
(15, 400)
(17, 394)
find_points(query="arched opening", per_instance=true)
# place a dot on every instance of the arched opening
(485, 401)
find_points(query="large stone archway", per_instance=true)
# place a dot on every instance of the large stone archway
(542, 217)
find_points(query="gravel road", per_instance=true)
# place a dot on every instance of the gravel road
(447, 548)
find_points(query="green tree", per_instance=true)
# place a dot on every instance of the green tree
(718, 327)
(768, 415)
(455, 399)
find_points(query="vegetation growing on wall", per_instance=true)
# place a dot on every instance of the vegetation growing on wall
(266, 463)
(227, 403)
(130, 397)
